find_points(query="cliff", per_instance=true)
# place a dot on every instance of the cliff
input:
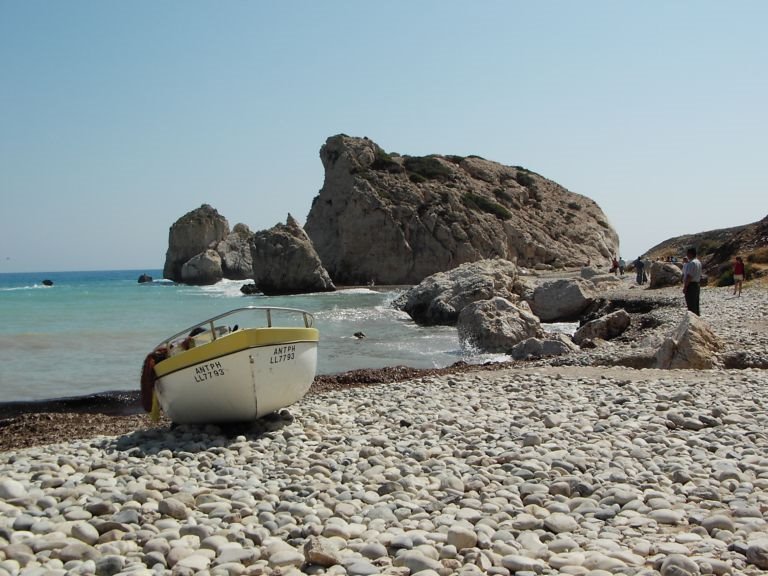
(717, 248)
(397, 219)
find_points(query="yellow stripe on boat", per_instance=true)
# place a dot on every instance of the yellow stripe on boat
(234, 342)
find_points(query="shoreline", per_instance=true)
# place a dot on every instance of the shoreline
(128, 402)
(40, 422)
(741, 323)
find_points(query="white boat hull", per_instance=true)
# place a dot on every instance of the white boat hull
(241, 386)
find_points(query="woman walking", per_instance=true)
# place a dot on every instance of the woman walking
(738, 275)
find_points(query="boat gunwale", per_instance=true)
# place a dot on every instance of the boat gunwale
(308, 318)
(201, 354)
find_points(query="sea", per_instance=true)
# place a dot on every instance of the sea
(89, 332)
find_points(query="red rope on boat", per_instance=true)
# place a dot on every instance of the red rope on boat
(148, 377)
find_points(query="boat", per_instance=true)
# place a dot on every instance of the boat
(234, 367)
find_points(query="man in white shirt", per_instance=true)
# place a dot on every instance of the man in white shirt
(691, 281)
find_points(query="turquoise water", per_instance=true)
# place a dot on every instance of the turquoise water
(90, 331)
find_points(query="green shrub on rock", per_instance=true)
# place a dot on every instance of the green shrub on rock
(524, 177)
(483, 204)
(759, 256)
(426, 167)
(386, 163)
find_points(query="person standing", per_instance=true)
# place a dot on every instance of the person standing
(640, 270)
(691, 281)
(738, 275)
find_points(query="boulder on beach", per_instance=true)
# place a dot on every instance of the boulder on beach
(285, 262)
(665, 274)
(589, 272)
(439, 298)
(601, 278)
(562, 300)
(691, 345)
(495, 325)
(605, 328)
(543, 347)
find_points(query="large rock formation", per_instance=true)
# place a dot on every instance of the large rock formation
(235, 253)
(199, 231)
(439, 299)
(397, 219)
(284, 261)
(191, 235)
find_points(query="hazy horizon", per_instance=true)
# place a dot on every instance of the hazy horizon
(160, 266)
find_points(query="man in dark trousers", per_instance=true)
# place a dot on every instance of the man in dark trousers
(639, 270)
(691, 281)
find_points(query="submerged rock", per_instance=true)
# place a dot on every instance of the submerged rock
(250, 289)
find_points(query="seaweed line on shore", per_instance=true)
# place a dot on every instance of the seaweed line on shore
(35, 423)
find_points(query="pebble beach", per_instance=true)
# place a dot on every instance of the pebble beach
(542, 469)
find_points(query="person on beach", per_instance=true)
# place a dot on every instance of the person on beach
(622, 265)
(738, 275)
(640, 270)
(691, 281)
(614, 266)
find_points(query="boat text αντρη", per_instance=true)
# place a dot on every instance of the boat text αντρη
(283, 354)
(207, 371)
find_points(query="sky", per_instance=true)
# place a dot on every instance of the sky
(117, 118)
